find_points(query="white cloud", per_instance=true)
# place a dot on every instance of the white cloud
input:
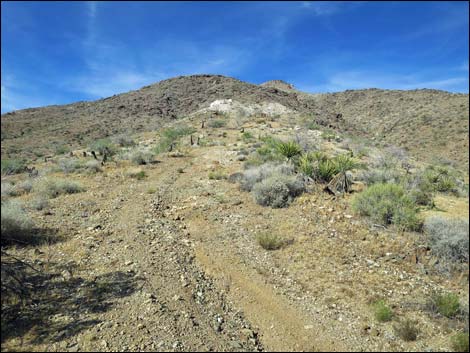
(364, 79)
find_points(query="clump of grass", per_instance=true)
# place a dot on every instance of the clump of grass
(459, 342)
(270, 241)
(12, 166)
(448, 238)
(16, 226)
(52, 188)
(382, 311)
(137, 174)
(407, 330)
(247, 136)
(151, 191)
(217, 174)
(446, 304)
(387, 204)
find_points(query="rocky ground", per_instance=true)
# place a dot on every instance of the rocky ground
(171, 263)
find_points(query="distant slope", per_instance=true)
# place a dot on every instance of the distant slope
(428, 123)
(30, 130)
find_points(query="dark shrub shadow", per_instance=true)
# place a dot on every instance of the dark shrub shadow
(51, 306)
(31, 237)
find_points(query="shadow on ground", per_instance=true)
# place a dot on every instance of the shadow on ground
(49, 306)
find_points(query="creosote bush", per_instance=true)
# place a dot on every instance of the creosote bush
(387, 204)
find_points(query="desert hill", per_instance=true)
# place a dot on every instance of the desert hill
(429, 123)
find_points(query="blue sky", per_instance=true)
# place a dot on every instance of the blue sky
(62, 52)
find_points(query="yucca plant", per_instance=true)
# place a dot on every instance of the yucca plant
(326, 170)
(306, 165)
(343, 164)
(289, 149)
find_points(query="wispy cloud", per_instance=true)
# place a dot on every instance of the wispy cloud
(367, 79)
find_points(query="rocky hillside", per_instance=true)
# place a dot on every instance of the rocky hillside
(430, 124)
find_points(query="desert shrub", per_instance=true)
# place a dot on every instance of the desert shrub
(459, 342)
(70, 165)
(40, 203)
(255, 175)
(170, 136)
(216, 123)
(12, 166)
(440, 179)
(24, 187)
(8, 189)
(104, 146)
(407, 330)
(62, 149)
(278, 190)
(446, 304)
(52, 188)
(387, 204)
(270, 241)
(20, 188)
(448, 238)
(268, 152)
(421, 197)
(247, 136)
(93, 167)
(16, 226)
(382, 311)
(124, 141)
(140, 157)
(289, 149)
